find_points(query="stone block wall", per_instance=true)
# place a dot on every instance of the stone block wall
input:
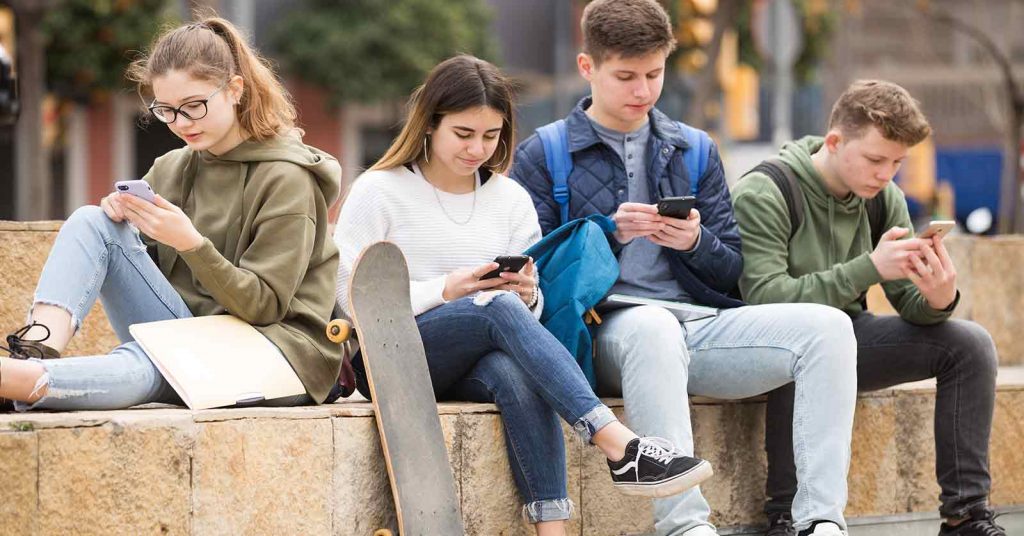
(320, 470)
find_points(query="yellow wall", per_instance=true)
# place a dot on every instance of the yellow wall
(7, 31)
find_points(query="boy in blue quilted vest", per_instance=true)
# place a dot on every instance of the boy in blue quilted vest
(625, 156)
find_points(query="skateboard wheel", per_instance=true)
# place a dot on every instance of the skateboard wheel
(382, 532)
(338, 331)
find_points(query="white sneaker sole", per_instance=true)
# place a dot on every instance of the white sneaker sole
(674, 486)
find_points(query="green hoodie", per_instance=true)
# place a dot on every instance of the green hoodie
(827, 260)
(266, 257)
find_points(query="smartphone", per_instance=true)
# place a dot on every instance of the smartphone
(676, 207)
(938, 228)
(507, 263)
(138, 188)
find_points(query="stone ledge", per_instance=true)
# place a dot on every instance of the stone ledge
(51, 226)
(319, 470)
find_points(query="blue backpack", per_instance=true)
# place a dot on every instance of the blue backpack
(577, 268)
(555, 139)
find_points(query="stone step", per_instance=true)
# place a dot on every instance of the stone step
(915, 524)
(319, 470)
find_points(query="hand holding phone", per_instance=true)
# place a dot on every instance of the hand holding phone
(506, 263)
(938, 228)
(676, 207)
(633, 220)
(138, 188)
(466, 281)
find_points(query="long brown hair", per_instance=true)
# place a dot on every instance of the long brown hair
(454, 85)
(212, 49)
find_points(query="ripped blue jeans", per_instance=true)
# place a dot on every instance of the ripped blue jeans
(94, 257)
(500, 353)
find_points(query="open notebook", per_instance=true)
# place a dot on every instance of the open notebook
(685, 312)
(217, 361)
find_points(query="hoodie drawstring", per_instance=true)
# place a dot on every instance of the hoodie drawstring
(831, 231)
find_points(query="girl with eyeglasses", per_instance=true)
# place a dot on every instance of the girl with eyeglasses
(440, 194)
(238, 225)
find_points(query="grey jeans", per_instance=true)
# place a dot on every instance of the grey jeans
(653, 361)
(960, 355)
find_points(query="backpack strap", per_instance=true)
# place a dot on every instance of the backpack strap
(555, 139)
(876, 216)
(785, 180)
(696, 158)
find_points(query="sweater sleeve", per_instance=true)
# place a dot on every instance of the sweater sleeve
(364, 220)
(764, 228)
(525, 233)
(260, 289)
(361, 222)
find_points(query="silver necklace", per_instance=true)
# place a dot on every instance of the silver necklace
(437, 196)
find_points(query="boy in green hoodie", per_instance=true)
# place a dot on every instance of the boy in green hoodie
(830, 259)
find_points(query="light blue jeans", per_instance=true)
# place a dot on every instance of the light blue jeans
(96, 257)
(645, 355)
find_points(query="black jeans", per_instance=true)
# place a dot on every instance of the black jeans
(890, 351)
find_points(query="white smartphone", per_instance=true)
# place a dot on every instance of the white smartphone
(938, 228)
(138, 188)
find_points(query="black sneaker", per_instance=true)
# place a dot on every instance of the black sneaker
(19, 348)
(780, 525)
(981, 521)
(652, 467)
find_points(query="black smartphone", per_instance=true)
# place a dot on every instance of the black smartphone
(507, 263)
(676, 207)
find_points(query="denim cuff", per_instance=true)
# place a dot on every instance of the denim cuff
(548, 510)
(594, 420)
(961, 509)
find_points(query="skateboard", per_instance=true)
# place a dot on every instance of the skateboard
(403, 399)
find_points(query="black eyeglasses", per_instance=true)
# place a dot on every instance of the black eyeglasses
(193, 110)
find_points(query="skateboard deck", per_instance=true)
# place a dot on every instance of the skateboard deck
(406, 410)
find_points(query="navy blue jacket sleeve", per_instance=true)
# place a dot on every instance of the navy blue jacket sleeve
(530, 170)
(716, 260)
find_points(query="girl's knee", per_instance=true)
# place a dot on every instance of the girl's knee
(508, 302)
(94, 218)
(87, 215)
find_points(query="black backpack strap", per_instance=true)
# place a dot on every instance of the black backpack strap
(876, 220)
(785, 180)
(876, 216)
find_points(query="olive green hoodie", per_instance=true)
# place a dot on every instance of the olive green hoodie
(267, 257)
(827, 260)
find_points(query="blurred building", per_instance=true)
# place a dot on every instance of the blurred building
(957, 82)
(959, 86)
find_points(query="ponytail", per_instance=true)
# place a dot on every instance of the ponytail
(214, 50)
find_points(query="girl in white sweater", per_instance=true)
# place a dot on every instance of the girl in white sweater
(438, 193)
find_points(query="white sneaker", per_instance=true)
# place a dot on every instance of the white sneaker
(701, 530)
(826, 529)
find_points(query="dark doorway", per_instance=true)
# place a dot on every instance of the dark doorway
(376, 140)
(7, 173)
(152, 140)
